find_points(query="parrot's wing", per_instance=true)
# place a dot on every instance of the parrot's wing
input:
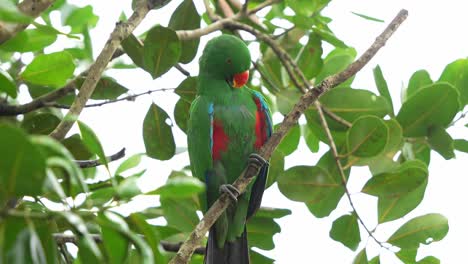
(263, 131)
(199, 136)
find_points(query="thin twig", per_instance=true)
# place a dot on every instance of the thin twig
(97, 162)
(182, 70)
(195, 238)
(122, 30)
(335, 117)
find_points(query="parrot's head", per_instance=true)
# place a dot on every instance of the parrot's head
(226, 57)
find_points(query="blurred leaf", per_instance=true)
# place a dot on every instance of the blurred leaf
(186, 17)
(310, 57)
(368, 17)
(21, 163)
(461, 145)
(10, 13)
(429, 260)
(306, 183)
(418, 80)
(367, 136)
(441, 142)
(7, 84)
(180, 186)
(382, 86)
(404, 179)
(310, 138)
(114, 242)
(78, 18)
(345, 230)
(290, 142)
(77, 148)
(258, 258)
(181, 114)
(128, 188)
(180, 213)
(305, 7)
(29, 40)
(455, 74)
(329, 37)
(407, 255)
(434, 105)
(187, 89)
(422, 229)
(92, 142)
(150, 235)
(336, 61)
(286, 99)
(38, 90)
(157, 134)
(276, 167)
(161, 50)
(40, 122)
(101, 196)
(107, 88)
(272, 212)
(156, 4)
(361, 257)
(52, 69)
(129, 163)
(260, 232)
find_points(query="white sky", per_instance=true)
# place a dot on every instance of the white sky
(431, 37)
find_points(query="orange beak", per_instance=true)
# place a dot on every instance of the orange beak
(240, 79)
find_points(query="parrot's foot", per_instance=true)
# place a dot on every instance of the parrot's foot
(257, 160)
(232, 191)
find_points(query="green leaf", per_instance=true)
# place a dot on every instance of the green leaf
(310, 57)
(114, 242)
(441, 142)
(367, 137)
(180, 186)
(150, 234)
(260, 232)
(330, 198)
(40, 122)
(363, 103)
(272, 212)
(434, 105)
(311, 139)
(418, 80)
(375, 260)
(187, 89)
(407, 255)
(129, 163)
(382, 86)
(128, 188)
(52, 69)
(286, 99)
(161, 50)
(396, 206)
(258, 258)
(134, 49)
(181, 114)
(186, 17)
(345, 230)
(404, 179)
(329, 37)
(7, 84)
(336, 61)
(461, 145)
(361, 257)
(21, 164)
(92, 142)
(429, 260)
(79, 18)
(37, 90)
(276, 167)
(306, 183)
(157, 134)
(180, 213)
(290, 142)
(305, 7)
(368, 17)
(107, 88)
(77, 148)
(102, 196)
(422, 229)
(29, 40)
(455, 74)
(10, 13)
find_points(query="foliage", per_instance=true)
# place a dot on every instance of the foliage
(395, 142)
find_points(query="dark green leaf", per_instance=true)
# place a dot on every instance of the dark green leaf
(286, 99)
(418, 80)
(272, 212)
(403, 180)
(180, 186)
(38, 90)
(161, 50)
(77, 148)
(134, 49)
(422, 229)
(258, 258)
(429, 260)
(21, 164)
(107, 88)
(29, 40)
(290, 142)
(367, 137)
(52, 69)
(129, 163)
(461, 145)
(455, 74)
(382, 86)
(441, 142)
(101, 196)
(310, 138)
(40, 122)
(150, 234)
(434, 105)
(260, 232)
(181, 114)
(345, 230)
(336, 61)
(10, 13)
(157, 134)
(180, 213)
(7, 84)
(368, 17)
(114, 242)
(310, 57)
(186, 17)
(306, 183)
(187, 89)
(361, 257)
(92, 142)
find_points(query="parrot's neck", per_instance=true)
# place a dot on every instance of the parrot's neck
(215, 87)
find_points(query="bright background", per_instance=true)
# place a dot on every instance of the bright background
(432, 37)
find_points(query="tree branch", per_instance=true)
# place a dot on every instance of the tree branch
(95, 163)
(194, 239)
(122, 30)
(32, 8)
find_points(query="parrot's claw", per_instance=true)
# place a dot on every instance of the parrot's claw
(232, 191)
(257, 160)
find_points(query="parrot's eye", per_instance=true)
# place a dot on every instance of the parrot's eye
(229, 61)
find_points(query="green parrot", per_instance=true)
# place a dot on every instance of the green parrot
(228, 123)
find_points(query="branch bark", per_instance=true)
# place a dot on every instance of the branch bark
(121, 31)
(95, 163)
(194, 239)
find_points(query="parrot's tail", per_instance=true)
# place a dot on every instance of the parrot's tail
(236, 252)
